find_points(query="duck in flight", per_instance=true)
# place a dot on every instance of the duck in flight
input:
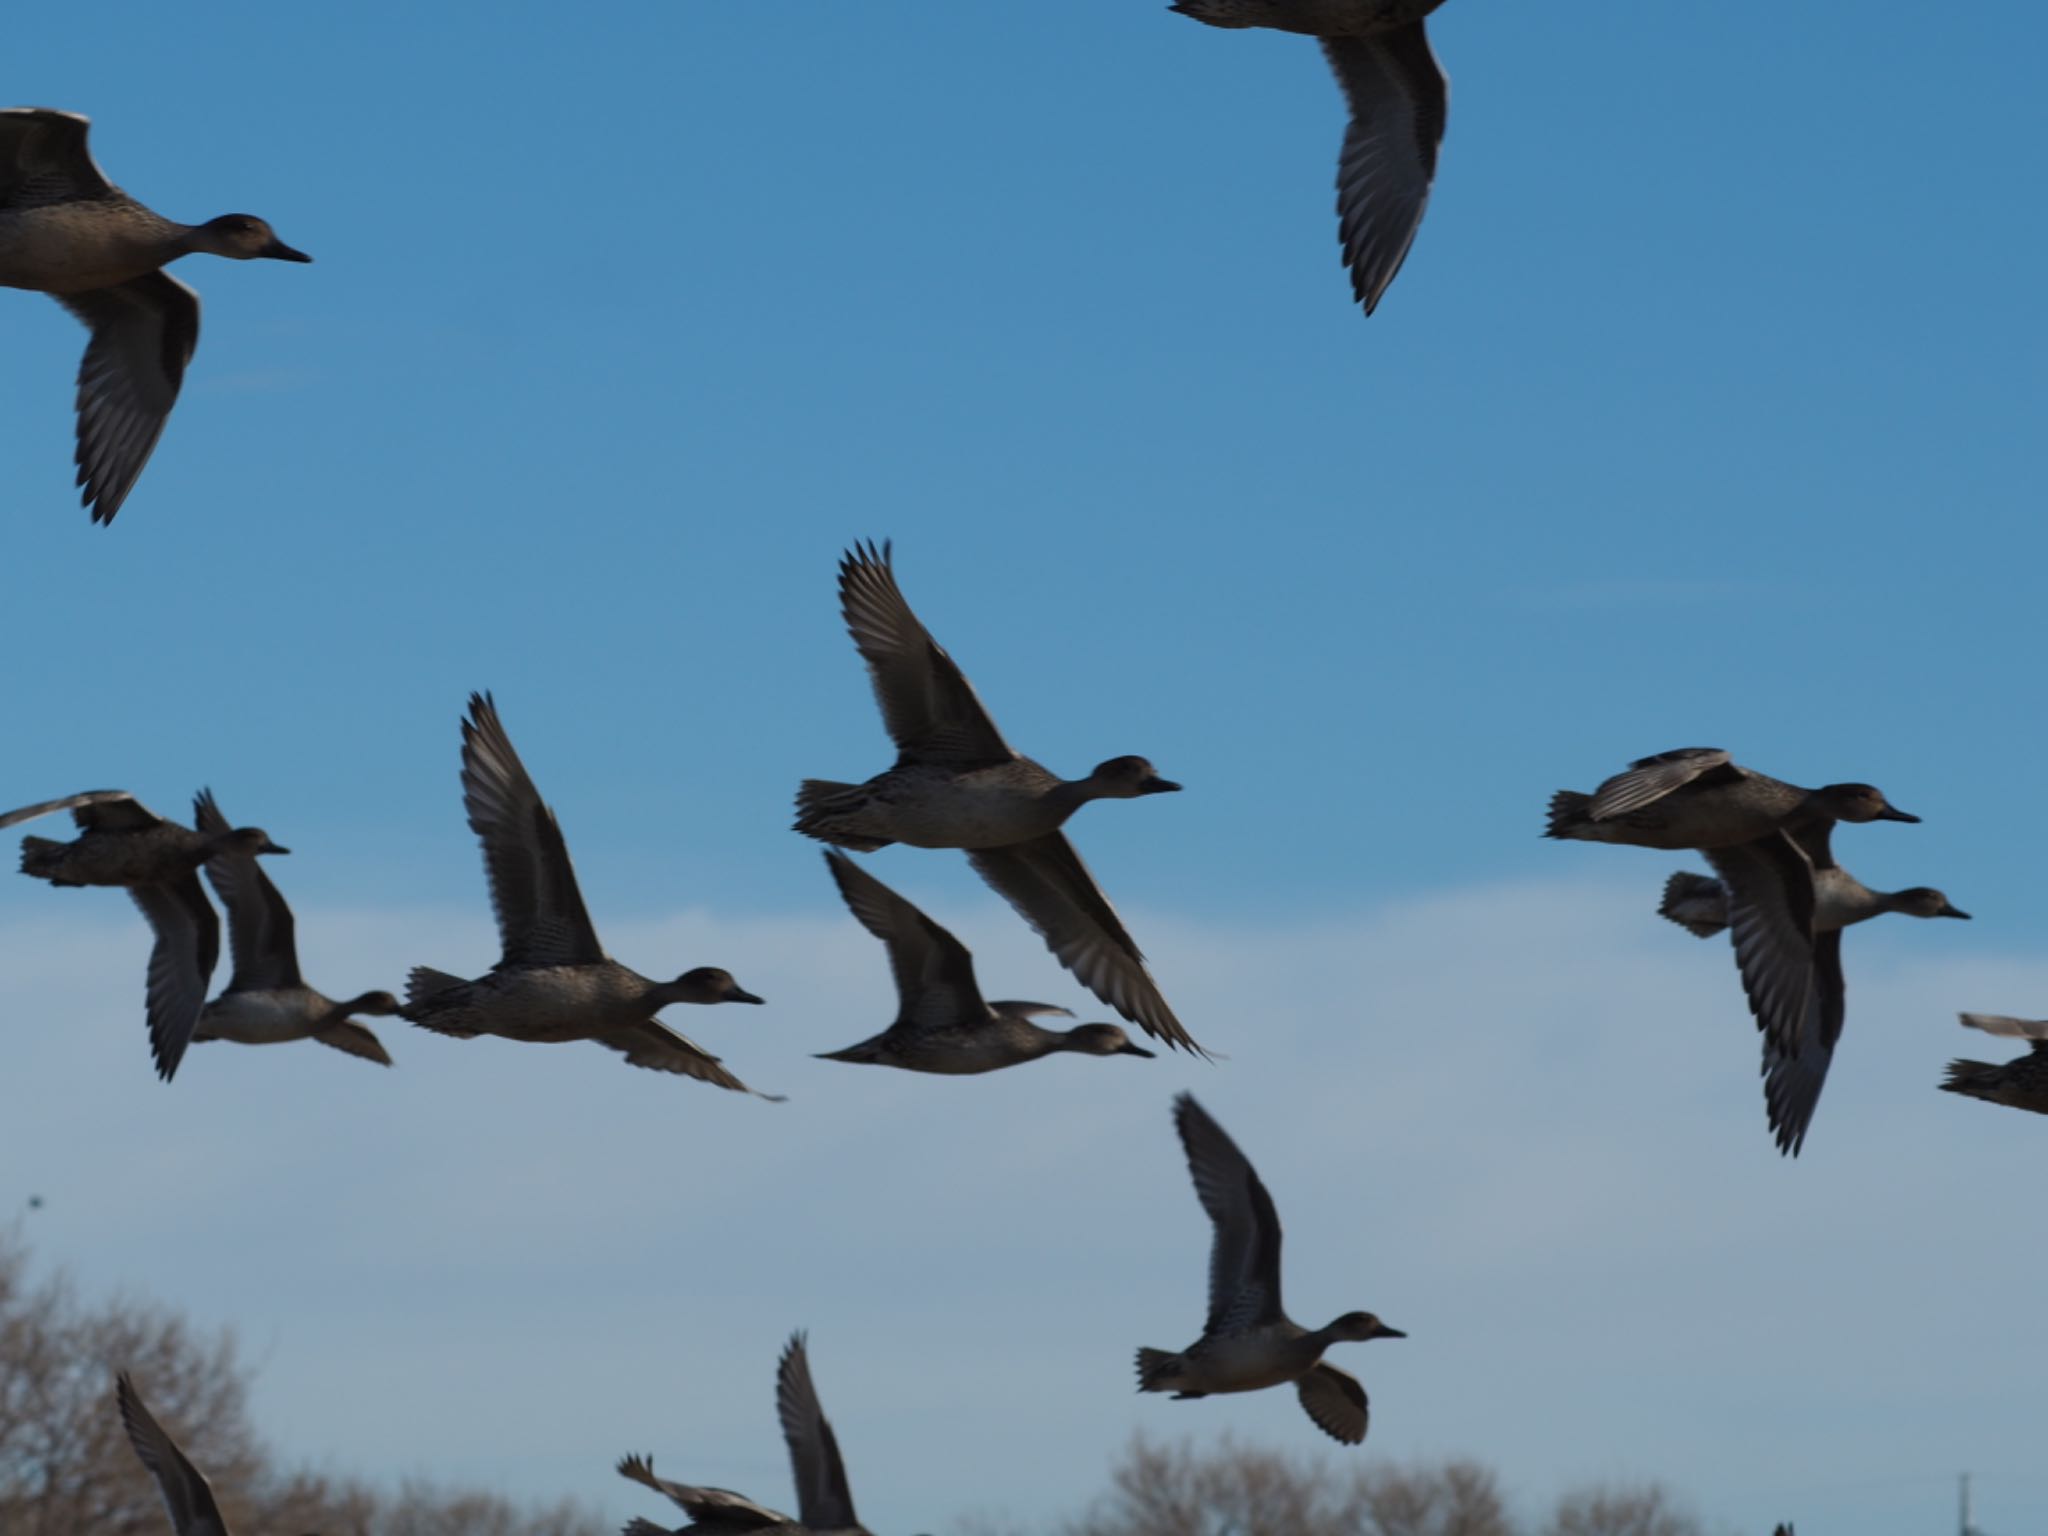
(1765, 839)
(1399, 101)
(824, 1501)
(957, 783)
(942, 1023)
(267, 1001)
(2021, 1083)
(67, 231)
(123, 843)
(1249, 1342)
(553, 980)
(1783, 948)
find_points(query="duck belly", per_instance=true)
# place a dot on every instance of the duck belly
(546, 1004)
(1243, 1363)
(263, 1018)
(68, 250)
(970, 811)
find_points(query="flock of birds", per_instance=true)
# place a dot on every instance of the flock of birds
(66, 230)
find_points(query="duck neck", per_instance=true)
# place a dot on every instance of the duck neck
(1069, 795)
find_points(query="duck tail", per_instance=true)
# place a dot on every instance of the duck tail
(428, 1001)
(1570, 816)
(1158, 1370)
(1977, 1079)
(831, 812)
(867, 1051)
(40, 857)
(1697, 903)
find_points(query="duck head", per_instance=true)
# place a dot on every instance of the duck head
(251, 840)
(1102, 1040)
(1360, 1326)
(241, 237)
(710, 984)
(1859, 802)
(1925, 901)
(1126, 778)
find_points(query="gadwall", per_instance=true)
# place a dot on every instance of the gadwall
(267, 1001)
(1697, 797)
(824, 1502)
(1778, 950)
(124, 843)
(67, 231)
(942, 1023)
(1249, 1342)
(187, 1495)
(2021, 1083)
(958, 784)
(1399, 102)
(554, 981)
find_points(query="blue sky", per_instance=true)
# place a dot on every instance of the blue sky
(1706, 411)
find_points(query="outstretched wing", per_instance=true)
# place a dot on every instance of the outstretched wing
(261, 933)
(652, 1044)
(1770, 920)
(823, 1500)
(929, 707)
(541, 916)
(1649, 779)
(181, 963)
(1399, 103)
(44, 159)
(1336, 1401)
(186, 1493)
(934, 973)
(1045, 880)
(1244, 1258)
(105, 799)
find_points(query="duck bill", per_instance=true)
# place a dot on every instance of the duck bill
(277, 250)
(1128, 1049)
(1389, 1333)
(1893, 813)
(1158, 786)
(270, 847)
(741, 995)
(1953, 912)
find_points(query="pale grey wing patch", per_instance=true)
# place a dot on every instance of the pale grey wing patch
(1697, 903)
(262, 936)
(91, 797)
(1399, 102)
(186, 1493)
(1649, 779)
(44, 159)
(1045, 880)
(1770, 921)
(1011, 1008)
(2000, 1024)
(355, 1039)
(144, 332)
(539, 906)
(824, 1502)
(1792, 1082)
(180, 964)
(932, 712)
(1336, 1401)
(934, 973)
(652, 1044)
(1244, 1256)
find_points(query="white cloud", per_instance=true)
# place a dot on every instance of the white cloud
(1521, 1121)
